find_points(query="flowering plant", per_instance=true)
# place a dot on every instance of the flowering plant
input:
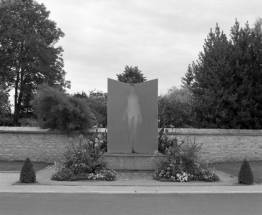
(83, 161)
(99, 140)
(181, 162)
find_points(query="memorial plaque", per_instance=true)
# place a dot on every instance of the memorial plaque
(132, 111)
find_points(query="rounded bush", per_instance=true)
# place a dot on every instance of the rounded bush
(63, 175)
(58, 111)
(27, 174)
(245, 175)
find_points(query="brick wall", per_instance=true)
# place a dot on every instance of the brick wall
(218, 145)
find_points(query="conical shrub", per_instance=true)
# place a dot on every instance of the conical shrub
(27, 174)
(245, 175)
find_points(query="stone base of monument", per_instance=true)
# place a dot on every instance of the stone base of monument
(132, 162)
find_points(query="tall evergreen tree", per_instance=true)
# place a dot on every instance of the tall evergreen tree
(226, 79)
(211, 74)
(187, 81)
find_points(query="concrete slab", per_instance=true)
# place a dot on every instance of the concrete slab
(228, 184)
(44, 177)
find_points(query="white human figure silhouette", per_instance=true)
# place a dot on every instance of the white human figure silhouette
(133, 116)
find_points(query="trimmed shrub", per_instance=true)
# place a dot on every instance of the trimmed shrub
(58, 111)
(27, 174)
(245, 175)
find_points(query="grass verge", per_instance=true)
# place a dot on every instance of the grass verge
(234, 167)
(17, 165)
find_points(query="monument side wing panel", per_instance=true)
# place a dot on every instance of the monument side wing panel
(148, 129)
(116, 107)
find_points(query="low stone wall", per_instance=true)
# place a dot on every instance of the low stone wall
(218, 145)
(18, 143)
(221, 145)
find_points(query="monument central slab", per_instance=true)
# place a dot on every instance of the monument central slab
(132, 117)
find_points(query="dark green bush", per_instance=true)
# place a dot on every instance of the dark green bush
(58, 111)
(62, 175)
(28, 122)
(245, 175)
(27, 174)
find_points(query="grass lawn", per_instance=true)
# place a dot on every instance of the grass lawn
(234, 167)
(17, 165)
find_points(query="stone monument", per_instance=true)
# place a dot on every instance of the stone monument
(132, 120)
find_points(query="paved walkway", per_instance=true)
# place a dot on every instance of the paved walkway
(227, 184)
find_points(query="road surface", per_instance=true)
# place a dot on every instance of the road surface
(127, 204)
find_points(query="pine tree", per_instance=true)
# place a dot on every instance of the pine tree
(189, 76)
(226, 80)
(211, 74)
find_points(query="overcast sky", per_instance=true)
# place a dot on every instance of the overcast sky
(160, 37)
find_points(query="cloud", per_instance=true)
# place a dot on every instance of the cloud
(160, 37)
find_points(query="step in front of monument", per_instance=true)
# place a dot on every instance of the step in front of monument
(140, 162)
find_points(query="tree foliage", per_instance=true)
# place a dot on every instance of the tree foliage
(97, 101)
(28, 55)
(58, 111)
(4, 104)
(131, 75)
(226, 80)
(174, 108)
(5, 110)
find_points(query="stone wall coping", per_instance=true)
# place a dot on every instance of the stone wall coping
(37, 130)
(174, 131)
(5, 129)
(214, 132)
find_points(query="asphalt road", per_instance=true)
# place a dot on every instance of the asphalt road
(125, 204)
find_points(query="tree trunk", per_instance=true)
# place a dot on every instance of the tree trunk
(18, 98)
(15, 120)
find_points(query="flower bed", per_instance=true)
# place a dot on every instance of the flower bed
(83, 161)
(181, 162)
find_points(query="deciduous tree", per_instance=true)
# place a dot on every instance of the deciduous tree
(28, 55)
(174, 108)
(97, 101)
